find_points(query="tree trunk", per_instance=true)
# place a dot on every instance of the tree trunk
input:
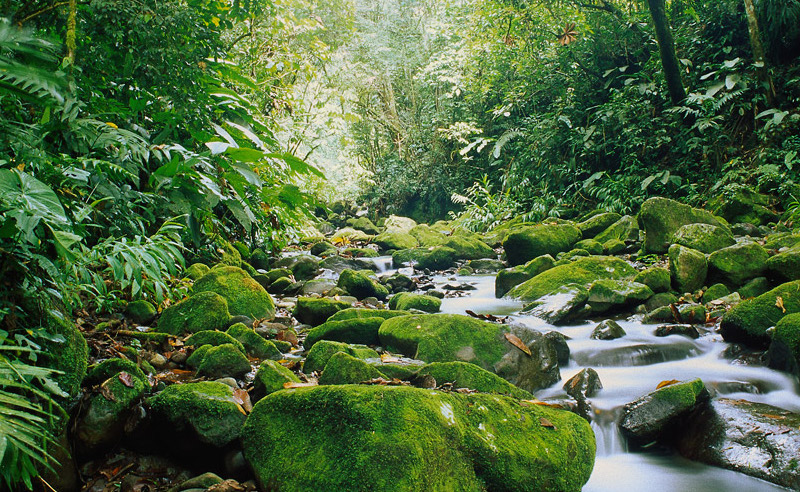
(759, 57)
(666, 46)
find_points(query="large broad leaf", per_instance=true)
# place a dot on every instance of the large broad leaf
(32, 195)
(243, 154)
(296, 164)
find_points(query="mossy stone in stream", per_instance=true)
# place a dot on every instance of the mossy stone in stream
(598, 223)
(196, 270)
(196, 358)
(395, 241)
(653, 416)
(656, 278)
(207, 409)
(270, 377)
(361, 285)
(361, 252)
(465, 375)
(407, 300)
(661, 218)
(315, 311)
(259, 259)
(527, 243)
(428, 237)
(625, 229)
(67, 350)
(322, 351)
(591, 246)
(364, 224)
(102, 420)
(469, 248)
(346, 369)
(141, 312)
(785, 266)
(357, 437)
(736, 264)
(356, 330)
(754, 288)
(222, 361)
(748, 321)
(688, 268)
(323, 248)
(202, 311)
(609, 294)
(280, 285)
(254, 344)
(303, 267)
(583, 271)
(107, 368)
(245, 296)
(714, 292)
(509, 278)
(214, 338)
(705, 238)
(356, 313)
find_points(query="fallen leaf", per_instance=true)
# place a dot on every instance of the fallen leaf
(126, 379)
(291, 384)
(388, 358)
(105, 390)
(515, 341)
(287, 336)
(676, 314)
(242, 398)
(547, 423)
(667, 383)
(540, 403)
(779, 303)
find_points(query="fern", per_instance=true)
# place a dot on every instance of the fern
(503, 140)
(27, 80)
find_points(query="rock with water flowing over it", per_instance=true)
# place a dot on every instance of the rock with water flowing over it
(685, 330)
(563, 304)
(583, 385)
(399, 438)
(752, 438)
(638, 354)
(661, 218)
(608, 329)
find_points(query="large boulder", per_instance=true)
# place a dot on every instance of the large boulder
(303, 267)
(343, 368)
(395, 241)
(743, 205)
(469, 248)
(562, 305)
(785, 266)
(688, 268)
(470, 376)
(598, 223)
(202, 311)
(609, 295)
(661, 218)
(396, 223)
(583, 271)
(656, 415)
(245, 296)
(748, 321)
(705, 238)
(784, 351)
(360, 285)
(435, 258)
(427, 236)
(625, 229)
(527, 243)
(751, 438)
(398, 438)
(408, 300)
(322, 351)
(355, 330)
(657, 278)
(509, 278)
(315, 311)
(452, 337)
(364, 224)
(338, 264)
(736, 264)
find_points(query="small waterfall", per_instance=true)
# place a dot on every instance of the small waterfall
(384, 264)
(609, 440)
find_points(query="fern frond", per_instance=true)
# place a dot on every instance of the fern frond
(503, 140)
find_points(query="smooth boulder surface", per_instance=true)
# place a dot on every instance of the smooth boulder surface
(355, 330)
(610, 295)
(748, 321)
(401, 438)
(508, 278)
(737, 264)
(625, 229)
(661, 218)
(655, 415)
(688, 268)
(598, 223)
(527, 243)
(202, 311)
(245, 296)
(361, 285)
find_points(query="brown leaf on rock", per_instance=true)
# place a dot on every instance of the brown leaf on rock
(105, 390)
(540, 403)
(291, 384)
(547, 423)
(287, 336)
(242, 398)
(126, 379)
(667, 383)
(779, 303)
(517, 342)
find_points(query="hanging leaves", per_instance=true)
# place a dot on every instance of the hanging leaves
(569, 35)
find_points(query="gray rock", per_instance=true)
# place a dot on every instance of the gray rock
(607, 330)
(561, 305)
(685, 330)
(583, 385)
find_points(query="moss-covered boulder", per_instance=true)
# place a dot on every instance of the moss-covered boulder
(452, 337)
(196, 270)
(259, 259)
(360, 313)
(338, 264)
(657, 278)
(254, 344)
(402, 438)
(202, 311)
(323, 248)
(280, 286)
(469, 248)
(784, 351)
(661, 218)
(564, 304)
(110, 367)
(625, 229)
(754, 287)
(583, 271)
(743, 205)
(687, 267)
(395, 241)
(66, 350)
(609, 294)
(303, 267)
(207, 410)
(270, 377)
(780, 240)
(350, 234)
(509, 278)
(355, 330)
(223, 361)
(213, 338)
(323, 350)
(705, 238)
(408, 300)
(141, 312)
(470, 376)
(428, 237)
(364, 224)
(245, 296)
(608, 329)
(395, 223)
(715, 292)
(315, 311)
(590, 246)
(598, 223)
(361, 252)
(438, 258)
(785, 266)
(527, 243)
(661, 412)
(361, 285)
(736, 264)
(748, 321)
(343, 368)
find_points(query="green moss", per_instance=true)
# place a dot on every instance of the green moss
(303, 267)
(606, 294)
(469, 248)
(687, 267)
(613, 246)
(223, 361)
(598, 223)
(682, 394)
(140, 312)
(323, 350)
(212, 337)
(661, 218)
(736, 264)
(656, 278)
(356, 330)
(356, 313)
(259, 259)
(748, 322)
(744, 205)
(407, 300)
(277, 273)
(109, 367)
(361, 252)
(705, 238)
(279, 286)
(464, 375)
(245, 296)
(781, 240)
(754, 288)
(527, 243)
(714, 292)
(360, 285)
(625, 229)
(539, 265)
(197, 356)
(351, 234)
(582, 271)
(229, 255)
(428, 237)
(323, 248)
(67, 351)
(788, 331)
(401, 438)
(206, 408)
(255, 345)
(196, 270)
(315, 311)
(103, 420)
(202, 311)
(590, 246)
(395, 241)
(438, 258)
(785, 266)
(270, 377)
(346, 369)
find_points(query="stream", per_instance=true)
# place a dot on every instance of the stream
(630, 367)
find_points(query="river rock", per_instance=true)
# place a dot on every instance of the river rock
(343, 368)
(559, 342)
(527, 243)
(361, 285)
(270, 377)
(303, 267)
(735, 265)
(583, 385)
(597, 223)
(323, 249)
(395, 223)
(716, 291)
(221, 361)
(624, 230)
(509, 278)
(748, 321)
(661, 218)
(213, 338)
(656, 415)
(315, 311)
(141, 312)
(428, 237)
(398, 438)
(485, 265)
(395, 241)
(470, 376)
(202, 311)
(685, 330)
(583, 271)
(469, 247)
(688, 268)
(338, 264)
(245, 296)
(435, 258)
(785, 266)
(657, 278)
(561, 305)
(318, 286)
(705, 238)
(254, 344)
(743, 205)
(407, 300)
(784, 351)
(751, 438)
(354, 330)
(348, 234)
(609, 294)
(364, 224)
(640, 354)
(590, 246)
(451, 337)
(607, 330)
(322, 351)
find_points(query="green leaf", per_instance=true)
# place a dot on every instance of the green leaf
(243, 154)
(296, 164)
(36, 197)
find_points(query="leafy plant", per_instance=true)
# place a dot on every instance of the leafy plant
(483, 210)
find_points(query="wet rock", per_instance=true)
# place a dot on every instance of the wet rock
(361, 285)
(661, 218)
(472, 442)
(590, 246)
(660, 300)
(559, 342)
(748, 321)
(598, 223)
(318, 286)
(657, 278)
(460, 287)
(110, 367)
(755, 288)
(583, 385)
(485, 265)
(338, 264)
(204, 481)
(245, 296)
(323, 350)
(656, 415)
(399, 283)
(641, 354)
(561, 305)
(607, 330)
(685, 330)
(364, 224)
(687, 267)
(735, 265)
(527, 243)
(315, 311)
(202, 311)
(751, 438)
(470, 376)
(608, 294)
(469, 248)
(213, 338)
(140, 312)
(784, 351)
(407, 300)
(705, 238)
(303, 267)
(396, 223)
(395, 241)
(323, 248)
(343, 368)
(621, 231)
(509, 278)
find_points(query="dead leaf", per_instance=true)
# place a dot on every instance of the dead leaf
(675, 313)
(242, 398)
(540, 403)
(291, 384)
(126, 379)
(779, 303)
(105, 390)
(517, 342)
(389, 359)
(667, 383)
(287, 336)
(547, 423)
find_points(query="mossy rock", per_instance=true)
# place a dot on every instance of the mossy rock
(787, 333)
(715, 292)
(705, 238)
(315, 311)
(351, 235)
(360, 285)
(361, 252)
(785, 266)
(661, 218)
(214, 338)
(485, 265)
(228, 254)
(109, 367)
(736, 264)
(196, 358)
(395, 223)
(398, 438)
(583, 271)
(303, 267)
(195, 271)
(323, 248)
(270, 377)
(608, 294)
(360, 313)
(428, 237)
(743, 205)
(101, 423)
(509, 278)
(469, 248)
(141, 312)
(365, 225)
(755, 288)
(67, 350)
(598, 223)
(346, 369)
(608, 329)
(748, 321)
(207, 409)
(562, 305)
(688, 268)
(657, 278)
(781, 240)
(356, 330)
(407, 300)
(613, 246)
(438, 258)
(655, 415)
(527, 243)
(339, 264)
(322, 351)
(660, 299)
(254, 344)
(245, 296)
(277, 273)
(259, 259)
(590, 246)
(280, 285)
(625, 229)
(465, 375)
(395, 241)
(224, 360)
(687, 313)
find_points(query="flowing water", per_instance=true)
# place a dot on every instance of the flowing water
(633, 366)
